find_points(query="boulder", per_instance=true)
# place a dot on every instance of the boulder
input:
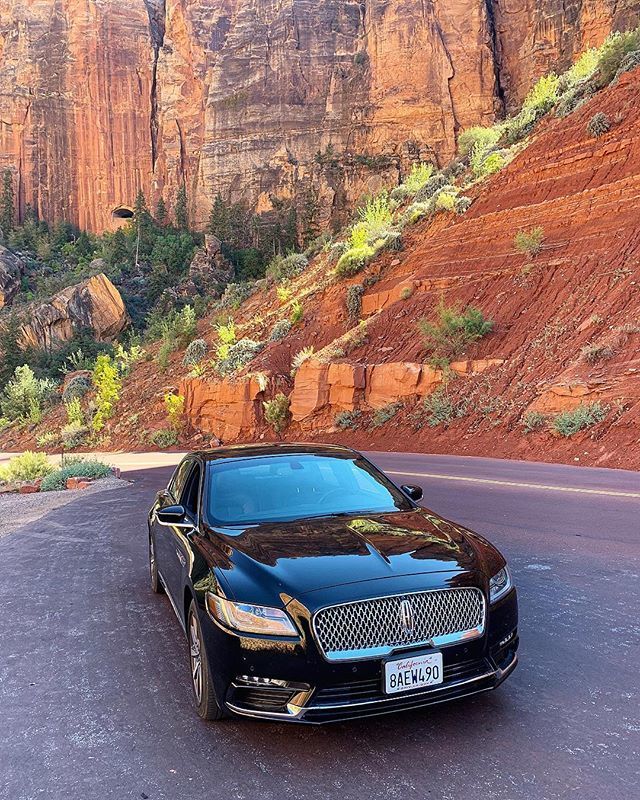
(11, 269)
(94, 304)
(388, 383)
(209, 267)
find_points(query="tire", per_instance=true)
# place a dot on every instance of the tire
(201, 683)
(156, 583)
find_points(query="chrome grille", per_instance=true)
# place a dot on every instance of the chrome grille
(369, 628)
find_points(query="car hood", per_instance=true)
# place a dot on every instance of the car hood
(295, 558)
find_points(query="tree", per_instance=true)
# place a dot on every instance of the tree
(117, 252)
(143, 222)
(180, 210)
(11, 355)
(7, 208)
(219, 222)
(161, 212)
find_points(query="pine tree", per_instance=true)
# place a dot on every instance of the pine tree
(161, 212)
(143, 222)
(180, 210)
(219, 219)
(118, 253)
(11, 355)
(7, 208)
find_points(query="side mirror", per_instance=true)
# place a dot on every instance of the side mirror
(413, 492)
(173, 517)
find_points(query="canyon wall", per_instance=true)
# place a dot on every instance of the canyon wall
(309, 101)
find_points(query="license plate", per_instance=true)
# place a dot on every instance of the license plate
(412, 673)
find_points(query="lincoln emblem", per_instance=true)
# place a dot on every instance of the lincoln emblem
(406, 616)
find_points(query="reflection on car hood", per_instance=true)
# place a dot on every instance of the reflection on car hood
(293, 558)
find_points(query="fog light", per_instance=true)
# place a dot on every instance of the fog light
(253, 680)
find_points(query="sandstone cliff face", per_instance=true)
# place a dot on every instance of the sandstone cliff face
(94, 304)
(11, 268)
(99, 98)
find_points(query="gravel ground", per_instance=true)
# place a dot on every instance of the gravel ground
(17, 510)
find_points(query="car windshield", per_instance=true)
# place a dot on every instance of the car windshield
(297, 486)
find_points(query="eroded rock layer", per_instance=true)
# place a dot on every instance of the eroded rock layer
(310, 100)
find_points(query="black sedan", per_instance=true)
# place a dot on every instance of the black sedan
(313, 589)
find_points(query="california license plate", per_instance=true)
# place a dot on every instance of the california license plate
(412, 673)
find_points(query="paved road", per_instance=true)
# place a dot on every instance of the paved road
(95, 701)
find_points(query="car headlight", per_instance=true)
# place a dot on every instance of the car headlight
(248, 618)
(500, 584)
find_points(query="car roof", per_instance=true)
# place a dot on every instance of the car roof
(272, 449)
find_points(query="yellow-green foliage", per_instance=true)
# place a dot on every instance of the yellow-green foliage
(284, 293)
(74, 412)
(276, 412)
(355, 259)
(26, 467)
(376, 218)
(296, 312)
(227, 337)
(484, 164)
(583, 68)
(174, 405)
(445, 200)
(614, 51)
(479, 138)
(108, 385)
(419, 175)
(529, 242)
(543, 94)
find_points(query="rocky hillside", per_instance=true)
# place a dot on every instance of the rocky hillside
(545, 253)
(303, 102)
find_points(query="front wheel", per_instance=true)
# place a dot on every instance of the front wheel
(203, 692)
(156, 583)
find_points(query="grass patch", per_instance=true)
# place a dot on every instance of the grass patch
(453, 330)
(568, 423)
(529, 242)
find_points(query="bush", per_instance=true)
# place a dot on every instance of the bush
(484, 164)
(463, 204)
(417, 178)
(347, 419)
(427, 191)
(185, 327)
(354, 260)
(592, 353)
(280, 330)
(383, 415)
(74, 412)
(25, 396)
(478, 137)
(195, 353)
(598, 125)
(453, 331)
(445, 200)
(47, 439)
(283, 268)
(276, 412)
(529, 242)
(296, 312)
(581, 70)
(26, 467)
(108, 386)
(164, 438)
(353, 300)
(76, 387)
(238, 356)
(235, 294)
(584, 416)
(614, 52)
(375, 222)
(534, 421)
(174, 406)
(440, 409)
(300, 357)
(74, 435)
(55, 481)
(520, 126)
(543, 96)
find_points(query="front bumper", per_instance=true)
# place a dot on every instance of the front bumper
(292, 681)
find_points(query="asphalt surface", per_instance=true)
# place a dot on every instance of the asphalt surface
(95, 697)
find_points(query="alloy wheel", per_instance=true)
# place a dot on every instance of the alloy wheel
(195, 655)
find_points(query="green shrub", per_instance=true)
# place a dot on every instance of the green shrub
(238, 356)
(297, 312)
(434, 183)
(353, 300)
(5, 422)
(47, 439)
(417, 178)
(185, 327)
(534, 421)
(195, 353)
(78, 386)
(276, 412)
(519, 127)
(584, 416)
(445, 199)
(354, 260)
(25, 396)
(529, 242)
(592, 353)
(598, 125)
(463, 204)
(582, 69)
(74, 412)
(375, 222)
(347, 419)
(280, 330)
(55, 481)
(484, 164)
(235, 294)
(613, 53)
(174, 406)
(543, 95)
(284, 268)
(440, 409)
(73, 435)
(164, 438)
(26, 467)
(108, 386)
(453, 331)
(383, 415)
(479, 138)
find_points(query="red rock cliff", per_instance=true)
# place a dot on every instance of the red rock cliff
(99, 97)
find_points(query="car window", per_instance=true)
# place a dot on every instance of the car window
(176, 484)
(296, 486)
(191, 492)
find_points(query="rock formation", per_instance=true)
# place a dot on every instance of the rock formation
(94, 304)
(301, 100)
(11, 268)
